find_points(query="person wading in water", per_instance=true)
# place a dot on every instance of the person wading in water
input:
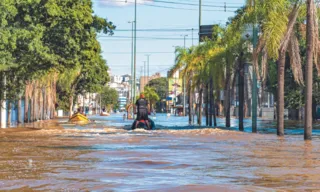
(142, 110)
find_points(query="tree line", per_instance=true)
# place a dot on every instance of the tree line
(284, 56)
(49, 52)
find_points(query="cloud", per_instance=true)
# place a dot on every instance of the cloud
(122, 2)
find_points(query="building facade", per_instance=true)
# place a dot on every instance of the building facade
(144, 80)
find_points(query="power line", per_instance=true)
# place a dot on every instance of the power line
(158, 30)
(170, 7)
(126, 65)
(142, 38)
(192, 4)
(139, 52)
(211, 2)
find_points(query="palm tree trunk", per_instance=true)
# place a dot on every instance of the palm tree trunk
(89, 103)
(280, 100)
(232, 91)
(9, 114)
(210, 102)
(32, 108)
(227, 97)
(54, 97)
(241, 92)
(26, 103)
(207, 104)
(212, 105)
(70, 105)
(41, 105)
(26, 109)
(190, 104)
(309, 71)
(200, 106)
(44, 104)
(19, 111)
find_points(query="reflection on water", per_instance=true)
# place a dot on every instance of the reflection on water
(175, 122)
(98, 158)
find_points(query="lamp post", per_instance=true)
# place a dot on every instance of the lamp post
(144, 71)
(175, 78)
(192, 36)
(135, 49)
(254, 86)
(132, 43)
(254, 101)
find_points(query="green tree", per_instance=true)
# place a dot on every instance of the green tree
(43, 38)
(277, 19)
(312, 57)
(160, 85)
(109, 98)
(151, 95)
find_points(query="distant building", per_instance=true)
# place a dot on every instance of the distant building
(126, 78)
(121, 88)
(122, 103)
(116, 79)
(144, 80)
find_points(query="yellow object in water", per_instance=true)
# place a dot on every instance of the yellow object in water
(79, 118)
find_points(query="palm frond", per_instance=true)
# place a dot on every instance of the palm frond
(295, 60)
(264, 65)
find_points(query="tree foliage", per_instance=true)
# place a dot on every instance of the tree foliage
(151, 95)
(41, 39)
(109, 98)
(160, 86)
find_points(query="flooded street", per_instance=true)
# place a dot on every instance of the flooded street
(96, 157)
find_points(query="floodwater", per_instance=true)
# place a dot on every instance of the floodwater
(106, 156)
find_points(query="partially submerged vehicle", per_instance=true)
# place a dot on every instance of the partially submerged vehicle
(142, 124)
(79, 118)
(104, 114)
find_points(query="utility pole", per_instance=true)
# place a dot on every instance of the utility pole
(144, 78)
(200, 12)
(254, 84)
(148, 67)
(132, 44)
(135, 49)
(141, 75)
(192, 36)
(184, 81)
(241, 91)
(200, 5)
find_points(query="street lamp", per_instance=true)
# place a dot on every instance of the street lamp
(132, 85)
(144, 71)
(254, 104)
(135, 48)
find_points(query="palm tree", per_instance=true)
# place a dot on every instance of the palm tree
(151, 96)
(68, 82)
(312, 51)
(277, 18)
(184, 58)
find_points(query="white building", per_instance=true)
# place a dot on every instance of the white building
(116, 79)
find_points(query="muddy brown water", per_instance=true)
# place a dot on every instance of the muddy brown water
(114, 159)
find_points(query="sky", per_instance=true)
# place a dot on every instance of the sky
(161, 25)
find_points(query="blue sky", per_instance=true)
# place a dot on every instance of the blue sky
(169, 20)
